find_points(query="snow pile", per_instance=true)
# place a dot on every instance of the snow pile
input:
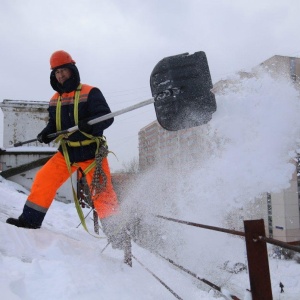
(252, 139)
(256, 131)
(251, 144)
(61, 261)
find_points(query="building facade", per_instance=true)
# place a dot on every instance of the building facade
(22, 121)
(174, 149)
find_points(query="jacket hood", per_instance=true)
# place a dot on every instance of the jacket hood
(69, 85)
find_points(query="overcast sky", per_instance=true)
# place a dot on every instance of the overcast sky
(117, 43)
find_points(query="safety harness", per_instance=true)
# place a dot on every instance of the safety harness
(99, 177)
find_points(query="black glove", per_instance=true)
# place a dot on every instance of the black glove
(116, 233)
(84, 126)
(42, 138)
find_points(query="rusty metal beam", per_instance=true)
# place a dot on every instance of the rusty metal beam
(258, 263)
(280, 244)
(214, 228)
(23, 168)
(214, 286)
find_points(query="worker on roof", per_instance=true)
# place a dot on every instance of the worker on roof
(74, 104)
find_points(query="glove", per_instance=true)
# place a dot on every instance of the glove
(116, 234)
(42, 138)
(84, 126)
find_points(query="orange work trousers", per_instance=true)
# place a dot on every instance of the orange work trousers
(55, 172)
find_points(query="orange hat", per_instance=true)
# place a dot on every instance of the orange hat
(59, 58)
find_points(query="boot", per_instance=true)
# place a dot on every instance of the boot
(30, 218)
(21, 222)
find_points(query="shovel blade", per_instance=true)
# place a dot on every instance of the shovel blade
(181, 87)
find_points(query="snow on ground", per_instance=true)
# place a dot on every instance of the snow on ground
(251, 140)
(61, 261)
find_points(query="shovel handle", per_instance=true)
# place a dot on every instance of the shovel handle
(18, 144)
(105, 117)
(94, 121)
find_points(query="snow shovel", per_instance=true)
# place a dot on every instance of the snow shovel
(181, 92)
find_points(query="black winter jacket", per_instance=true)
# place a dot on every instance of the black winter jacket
(93, 106)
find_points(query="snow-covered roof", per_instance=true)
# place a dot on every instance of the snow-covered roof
(30, 149)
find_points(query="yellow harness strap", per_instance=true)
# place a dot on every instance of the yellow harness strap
(80, 143)
(64, 144)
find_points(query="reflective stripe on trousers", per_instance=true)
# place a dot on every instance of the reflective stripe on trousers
(53, 175)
